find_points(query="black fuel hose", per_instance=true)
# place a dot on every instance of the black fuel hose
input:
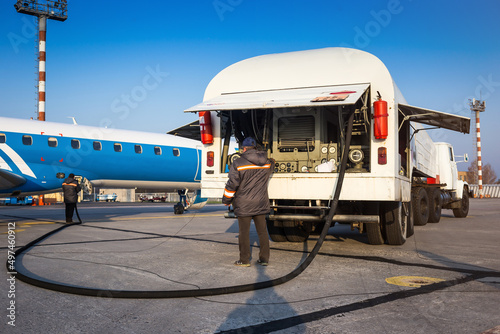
(136, 294)
(78, 215)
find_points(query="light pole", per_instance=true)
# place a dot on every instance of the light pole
(43, 9)
(478, 106)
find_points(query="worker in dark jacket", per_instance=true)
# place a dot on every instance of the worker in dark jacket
(71, 188)
(246, 190)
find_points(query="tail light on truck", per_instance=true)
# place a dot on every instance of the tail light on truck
(382, 156)
(210, 159)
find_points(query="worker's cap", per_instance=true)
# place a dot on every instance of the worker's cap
(249, 141)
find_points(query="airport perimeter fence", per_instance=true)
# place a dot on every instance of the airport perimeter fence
(168, 197)
(489, 190)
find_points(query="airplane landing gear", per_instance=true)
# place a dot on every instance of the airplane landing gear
(194, 202)
(183, 204)
(178, 209)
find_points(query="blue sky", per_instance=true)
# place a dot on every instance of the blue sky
(138, 65)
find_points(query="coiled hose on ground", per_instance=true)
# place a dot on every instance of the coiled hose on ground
(136, 294)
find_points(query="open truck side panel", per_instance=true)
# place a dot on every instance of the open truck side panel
(296, 106)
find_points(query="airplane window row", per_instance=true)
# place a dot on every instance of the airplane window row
(97, 145)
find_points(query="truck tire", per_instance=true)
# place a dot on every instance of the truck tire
(276, 231)
(318, 228)
(420, 206)
(435, 205)
(463, 210)
(374, 233)
(296, 231)
(395, 221)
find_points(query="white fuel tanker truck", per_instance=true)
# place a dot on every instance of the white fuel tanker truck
(296, 105)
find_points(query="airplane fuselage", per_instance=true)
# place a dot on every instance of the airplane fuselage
(35, 157)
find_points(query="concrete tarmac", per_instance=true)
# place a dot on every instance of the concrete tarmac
(444, 279)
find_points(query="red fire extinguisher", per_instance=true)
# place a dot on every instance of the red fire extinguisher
(380, 118)
(206, 127)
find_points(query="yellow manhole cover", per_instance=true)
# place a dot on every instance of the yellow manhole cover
(412, 281)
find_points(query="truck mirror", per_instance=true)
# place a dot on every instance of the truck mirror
(465, 156)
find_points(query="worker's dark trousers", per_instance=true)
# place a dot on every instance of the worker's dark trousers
(244, 237)
(70, 209)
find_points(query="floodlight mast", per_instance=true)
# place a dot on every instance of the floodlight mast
(478, 107)
(43, 9)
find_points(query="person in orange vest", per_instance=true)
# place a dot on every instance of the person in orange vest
(246, 190)
(71, 188)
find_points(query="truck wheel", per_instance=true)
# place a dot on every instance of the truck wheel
(276, 231)
(463, 210)
(395, 221)
(296, 231)
(374, 233)
(318, 228)
(434, 205)
(420, 206)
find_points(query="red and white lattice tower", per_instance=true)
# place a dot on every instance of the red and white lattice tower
(43, 9)
(478, 106)
(42, 34)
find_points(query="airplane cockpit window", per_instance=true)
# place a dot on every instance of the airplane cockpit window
(138, 149)
(157, 150)
(75, 143)
(52, 142)
(27, 140)
(3, 139)
(176, 152)
(117, 147)
(97, 146)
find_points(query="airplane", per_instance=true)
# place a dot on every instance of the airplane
(35, 158)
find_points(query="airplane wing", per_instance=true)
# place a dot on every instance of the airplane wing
(10, 180)
(190, 130)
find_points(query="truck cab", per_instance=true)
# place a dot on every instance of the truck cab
(448, 172)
